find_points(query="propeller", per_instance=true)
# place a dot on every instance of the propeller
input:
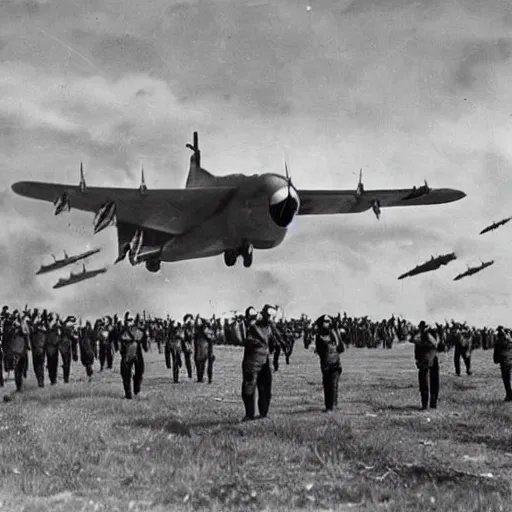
(289, 183)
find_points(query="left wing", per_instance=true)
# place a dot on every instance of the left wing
(171, 211)
(326, 202)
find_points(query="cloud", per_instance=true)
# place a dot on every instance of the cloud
(406, 91)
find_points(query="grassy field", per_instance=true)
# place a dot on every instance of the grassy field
(81, 446)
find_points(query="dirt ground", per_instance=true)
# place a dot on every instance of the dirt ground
(82, 446)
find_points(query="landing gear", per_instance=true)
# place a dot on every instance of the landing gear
(247, 255)
(230, 256)
(153, 265)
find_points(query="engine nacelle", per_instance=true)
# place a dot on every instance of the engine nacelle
(153, 265)
(284, 205)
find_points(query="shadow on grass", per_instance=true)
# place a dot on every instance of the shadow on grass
(174, 426)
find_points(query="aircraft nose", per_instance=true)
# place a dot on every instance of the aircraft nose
(458, 194)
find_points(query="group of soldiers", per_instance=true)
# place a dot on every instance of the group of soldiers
(264, 337)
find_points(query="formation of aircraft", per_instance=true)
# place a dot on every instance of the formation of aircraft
(230, 215)
(67, 260)
(432, 264)
(495, 225)
(81, 276)
(474, 270)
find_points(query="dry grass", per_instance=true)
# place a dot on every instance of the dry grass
(182, 447)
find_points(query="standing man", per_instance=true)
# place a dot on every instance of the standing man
(329, 346)
(463, 340)
(52, 345)
(38, 343)
(425, 353)
(188, 342)
(203, 349)
(175, 336)
(133, 340)
(503, 357)
(261, 338)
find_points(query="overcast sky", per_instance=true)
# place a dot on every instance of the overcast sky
(405, 90)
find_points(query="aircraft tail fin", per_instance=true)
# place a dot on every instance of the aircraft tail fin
(197, 176)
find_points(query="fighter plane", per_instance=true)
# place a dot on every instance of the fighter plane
(213, 215)
(495, 225)
(76, 278)
(474, 270)
(67, 260)
(432, 264)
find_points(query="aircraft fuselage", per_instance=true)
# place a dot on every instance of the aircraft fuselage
(246, 218)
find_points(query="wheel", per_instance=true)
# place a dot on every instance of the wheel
(153, 265)
(230, 258)
(248, 256)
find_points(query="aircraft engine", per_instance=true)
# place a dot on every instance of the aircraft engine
(284, 205)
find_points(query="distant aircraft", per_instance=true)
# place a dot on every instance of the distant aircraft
(67, 260)
(230, 215)
(432, 264)
(495, 225)
(474, 270)
(76, 278)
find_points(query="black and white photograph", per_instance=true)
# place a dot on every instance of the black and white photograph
(255, 255)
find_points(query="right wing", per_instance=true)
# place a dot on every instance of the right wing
(325, 202)
(171, 211)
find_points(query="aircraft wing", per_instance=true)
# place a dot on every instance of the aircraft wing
(327, 202)
(172, 211)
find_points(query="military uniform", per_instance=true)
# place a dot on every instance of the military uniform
(17, 337)
(462, 348)
(261, 339)
(188, 343)
(503, 356)
(425, 353)
(66, 347)
(86, 342)
(329, 346)
(203, 350)
(106, 350)
(38, 343)
(52, 349)
(173, 343)
(133, 340)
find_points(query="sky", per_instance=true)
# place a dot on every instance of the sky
(406, 91)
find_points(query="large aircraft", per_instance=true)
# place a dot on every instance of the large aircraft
(474, 270)
(212, 215)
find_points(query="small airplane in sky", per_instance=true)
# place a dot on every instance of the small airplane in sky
(76, 278)
(67, 260)
(474, 270)
(432, 264)
(495, 225)
(213, 215)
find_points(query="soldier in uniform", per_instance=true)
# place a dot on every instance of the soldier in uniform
(174, 340)
(106, 351)
(38, 343)
(329, 346)
(503, 356)
(18, 335)
(52, 345)
(66, 345)
(86, 342)
(462, 348)
(261, 338)
(188, 342)
(133, 340)
(425, 353)
(203, 349)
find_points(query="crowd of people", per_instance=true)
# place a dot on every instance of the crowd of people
(264, 337)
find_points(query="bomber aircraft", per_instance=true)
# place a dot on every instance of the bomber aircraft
(80, 276)
(432, 264)
(213, 215)
(495, 225)
(67, 260)
(474, 270)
